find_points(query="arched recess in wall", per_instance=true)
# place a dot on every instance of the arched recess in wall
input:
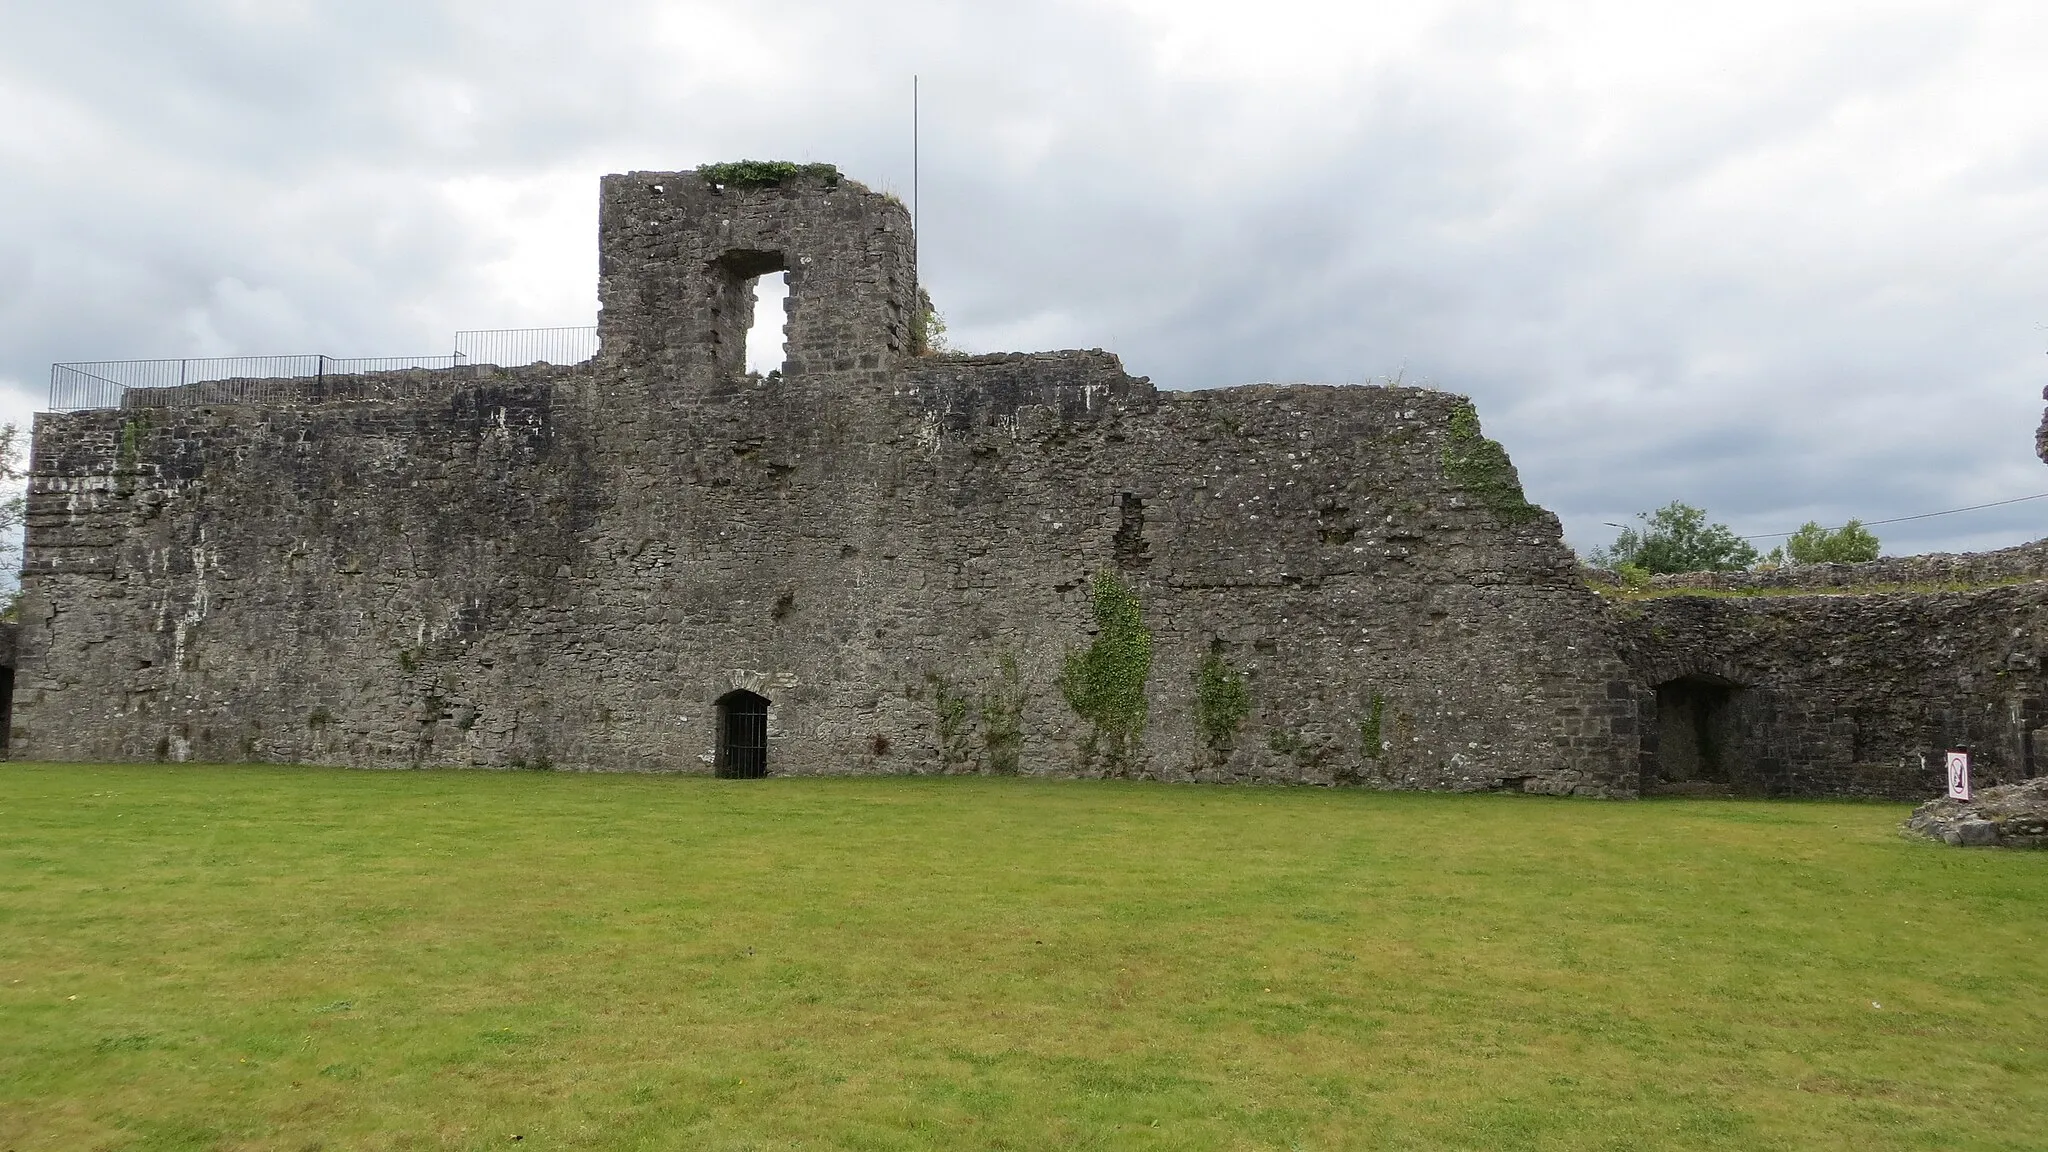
(1693, 712)
(1696, 742)
(742, 735)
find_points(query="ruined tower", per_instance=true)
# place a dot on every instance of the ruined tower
(679, 254)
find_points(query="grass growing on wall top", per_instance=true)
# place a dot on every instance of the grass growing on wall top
(765, 173)
(1480, 466)
(253, 957)
(1625, 593)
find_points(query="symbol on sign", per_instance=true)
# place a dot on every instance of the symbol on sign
(1958, 774)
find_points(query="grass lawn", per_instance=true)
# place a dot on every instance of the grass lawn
(304, 958)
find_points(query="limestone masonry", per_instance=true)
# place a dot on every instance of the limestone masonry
(879, 561)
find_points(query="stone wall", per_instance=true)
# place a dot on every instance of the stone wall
(2041, 433)
(1930, 572)
(574, 568)
(1852, 693)
(234, 583)
(1840, 679)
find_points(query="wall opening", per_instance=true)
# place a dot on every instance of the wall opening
(750, 287)
(742, 735)
(1695, 737)
(767, 334)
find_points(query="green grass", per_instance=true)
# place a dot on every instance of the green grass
(1626, 595)
(239, 958)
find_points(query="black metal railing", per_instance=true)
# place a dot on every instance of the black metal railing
(517, 347)
(209, 379)
(200, 380)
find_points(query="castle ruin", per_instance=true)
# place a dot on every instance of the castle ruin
(877, 561)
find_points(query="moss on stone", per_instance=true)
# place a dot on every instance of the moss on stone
(1369, 737)
(1481, 467)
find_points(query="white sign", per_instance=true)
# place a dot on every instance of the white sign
(1958, 774)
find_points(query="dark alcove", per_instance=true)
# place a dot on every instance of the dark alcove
(1695, 737)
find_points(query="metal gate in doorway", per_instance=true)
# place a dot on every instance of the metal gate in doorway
(742, 735)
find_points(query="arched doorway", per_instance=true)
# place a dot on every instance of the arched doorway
(6, 704)
(742, 735)
(1696, 737)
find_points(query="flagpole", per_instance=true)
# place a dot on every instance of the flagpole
(913, 151)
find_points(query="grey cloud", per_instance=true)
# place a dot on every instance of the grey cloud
(1656, 314)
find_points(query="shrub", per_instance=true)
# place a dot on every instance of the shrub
(765, 173)
(927, 328)
(1104, 683)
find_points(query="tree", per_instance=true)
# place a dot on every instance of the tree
(1677, 538)
(1852, 543)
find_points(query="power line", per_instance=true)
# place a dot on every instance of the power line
(1921, 516)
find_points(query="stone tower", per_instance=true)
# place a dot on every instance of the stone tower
(678, 255)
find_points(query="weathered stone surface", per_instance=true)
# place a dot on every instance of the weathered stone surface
(1931, 572)
(1837, 694)
(2007, 815)
(572, 567)
(2041, 434)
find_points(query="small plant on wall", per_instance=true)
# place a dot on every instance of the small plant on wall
(950, 722)
(1370, 740)
(766, 173)
(1002, 711)
(1104, 683)
(132, 432)
(927, 328)
(1222, 701)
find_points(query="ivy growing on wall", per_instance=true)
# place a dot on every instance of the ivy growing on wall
(1480, 466)
(1221, 702)
(765, 173)
(950, 722)
(1002, 711)
(1369, 727)
(1104, 683)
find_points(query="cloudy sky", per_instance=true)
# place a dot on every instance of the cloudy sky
(1784, 260)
